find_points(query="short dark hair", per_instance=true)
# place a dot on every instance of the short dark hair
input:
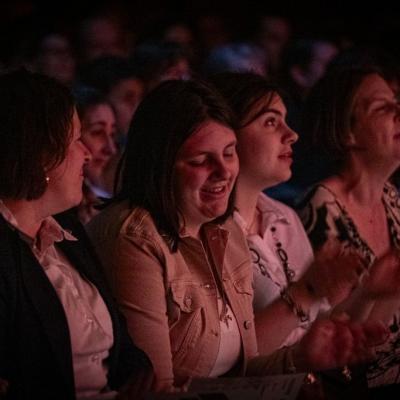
(163, 121)
(329, 111)
(87, 97)
(105, 72)
(243, 91)
(35, 129)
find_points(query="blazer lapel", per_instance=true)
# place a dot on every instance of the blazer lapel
(49, 309)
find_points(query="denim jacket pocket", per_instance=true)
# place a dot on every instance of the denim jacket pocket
(185, 316)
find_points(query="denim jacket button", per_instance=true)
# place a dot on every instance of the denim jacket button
(188, 301)
(247, 324)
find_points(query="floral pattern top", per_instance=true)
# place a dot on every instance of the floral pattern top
(325, 217)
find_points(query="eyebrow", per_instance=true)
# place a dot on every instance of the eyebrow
(200, 153)
(264, 110)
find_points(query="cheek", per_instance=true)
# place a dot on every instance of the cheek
(189, 182)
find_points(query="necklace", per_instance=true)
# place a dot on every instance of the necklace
(280, 251)
(283, 257)
(224, 314)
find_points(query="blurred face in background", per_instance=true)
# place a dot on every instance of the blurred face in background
(125, 97)
(56, 59)
(98, 133)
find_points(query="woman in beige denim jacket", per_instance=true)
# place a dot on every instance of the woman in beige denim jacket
(177, 262)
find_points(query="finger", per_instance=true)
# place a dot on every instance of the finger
(343, 344)
(340, 317)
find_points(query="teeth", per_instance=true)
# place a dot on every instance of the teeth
(215, 190)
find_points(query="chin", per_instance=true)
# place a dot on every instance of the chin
(284, 178)
(216, 212)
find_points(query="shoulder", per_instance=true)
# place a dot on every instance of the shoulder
(317, 195)
(120, 225)
(121, 219)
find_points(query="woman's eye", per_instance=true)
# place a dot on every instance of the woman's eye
(197, 161)
(229, 154)
(271, 122)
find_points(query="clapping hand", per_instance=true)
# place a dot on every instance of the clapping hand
(382, 280)
(334, 343)
(334, 273)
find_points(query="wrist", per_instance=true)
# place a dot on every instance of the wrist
(304, 294)
(300, 309)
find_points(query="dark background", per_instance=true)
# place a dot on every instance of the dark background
(377, 24)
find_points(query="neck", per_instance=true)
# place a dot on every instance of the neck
(192, 230)
(27, 214)
(246, 200)
(361, 187)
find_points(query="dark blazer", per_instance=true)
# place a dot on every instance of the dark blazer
(35, 351)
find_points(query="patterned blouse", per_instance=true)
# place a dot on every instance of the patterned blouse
(325, 217)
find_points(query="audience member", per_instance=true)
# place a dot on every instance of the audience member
(99, 135)
(61, 336)
(353, 118)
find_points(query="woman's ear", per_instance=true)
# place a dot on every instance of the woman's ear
(351, 140)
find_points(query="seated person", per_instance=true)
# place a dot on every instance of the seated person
(61, 335)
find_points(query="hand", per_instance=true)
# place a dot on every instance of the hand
(383, 278)
(335, 343)
(334, 273)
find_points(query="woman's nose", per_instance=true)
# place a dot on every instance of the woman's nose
(291, 136)
(109, 146)
(221, 169)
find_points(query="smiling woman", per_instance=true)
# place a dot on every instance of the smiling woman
(178, 264)
(77, 345)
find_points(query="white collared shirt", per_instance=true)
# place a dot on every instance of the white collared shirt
(89, 321)
(280, 224)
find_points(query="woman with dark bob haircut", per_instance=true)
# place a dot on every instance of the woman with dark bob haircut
(177, 262)
(353, 115)
(61, 336)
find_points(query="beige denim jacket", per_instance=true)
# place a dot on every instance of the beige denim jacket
(170, 299)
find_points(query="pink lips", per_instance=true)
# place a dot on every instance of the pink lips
(287, 155)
